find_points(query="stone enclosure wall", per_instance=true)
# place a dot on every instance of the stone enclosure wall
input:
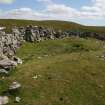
(9, 43)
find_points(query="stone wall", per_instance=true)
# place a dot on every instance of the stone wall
(9, 43)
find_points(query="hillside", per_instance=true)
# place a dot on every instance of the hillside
(67, 71)
(70, 72)
(63, 25)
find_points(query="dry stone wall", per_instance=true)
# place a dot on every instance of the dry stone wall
(9, 43)
(8, 46)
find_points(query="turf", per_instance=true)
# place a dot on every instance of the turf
(70, 73)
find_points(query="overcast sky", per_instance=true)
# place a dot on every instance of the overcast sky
(87, 12)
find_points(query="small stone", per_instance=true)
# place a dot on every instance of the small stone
(39, 75)
(39, 57)
(4, 100)
(3, 77)
(35, 77)
(103, 56)
(17, 99)
(14, 86)
(3, 71)
(18, 60)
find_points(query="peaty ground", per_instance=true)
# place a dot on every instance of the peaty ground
(59, 72)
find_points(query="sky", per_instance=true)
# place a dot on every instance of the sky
(87, 12)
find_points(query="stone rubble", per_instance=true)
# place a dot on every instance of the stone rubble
(9, 43)
(14, 86)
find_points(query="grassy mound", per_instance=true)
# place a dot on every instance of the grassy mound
(69, 73)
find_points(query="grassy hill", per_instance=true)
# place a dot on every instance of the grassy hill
(63, 25)
(69, 73)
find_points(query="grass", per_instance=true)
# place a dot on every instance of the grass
(62, 25)
(70, 73)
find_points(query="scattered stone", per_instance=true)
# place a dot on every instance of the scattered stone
(103, 56)
(39, 57)
(15, 86)
(3, 77)
(4, 100)
(17, 60)
(2, 28)
(17, 99)
(36, 76)
(3, 71)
